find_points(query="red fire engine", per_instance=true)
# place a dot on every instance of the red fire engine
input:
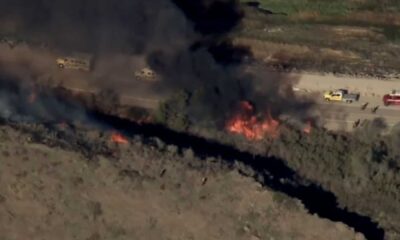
(392, 98)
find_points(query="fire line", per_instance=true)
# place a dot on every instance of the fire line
(119, 138)
(247, 124)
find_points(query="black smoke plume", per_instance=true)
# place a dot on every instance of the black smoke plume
(186, 42)
(26, 103)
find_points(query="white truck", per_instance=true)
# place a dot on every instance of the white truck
(146, 74)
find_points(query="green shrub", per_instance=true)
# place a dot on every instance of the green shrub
(174, 112)
(352, 166)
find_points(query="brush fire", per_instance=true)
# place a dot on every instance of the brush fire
(118, 138)
(307, 128)
(246, 123)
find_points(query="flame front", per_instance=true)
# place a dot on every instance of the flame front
(118, 138)
(247, 124)
(307, 129)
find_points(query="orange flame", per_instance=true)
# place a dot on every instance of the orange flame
(247, 124)
(118, 138)
(307, 129)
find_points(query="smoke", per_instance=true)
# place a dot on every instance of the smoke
(186, 42)
(22, 102)
(97, 25)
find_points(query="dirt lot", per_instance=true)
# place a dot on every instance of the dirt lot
(51, 193)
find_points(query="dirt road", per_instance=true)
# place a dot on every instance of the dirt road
(337, 115)
(342, 115)
(116, 72)
(368, 87)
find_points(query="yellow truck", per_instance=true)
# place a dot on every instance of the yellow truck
(81, 62)
(341, 95)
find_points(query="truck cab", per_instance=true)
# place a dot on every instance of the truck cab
(79, 62)
(336, 95)
(333, 95)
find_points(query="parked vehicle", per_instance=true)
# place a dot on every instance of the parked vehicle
(146, 74)
(341, 95)
(392, 98)
(79, 62)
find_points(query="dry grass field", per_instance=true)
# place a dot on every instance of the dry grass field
(139, 193)
(350, 37)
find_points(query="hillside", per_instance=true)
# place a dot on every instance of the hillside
(139, 192)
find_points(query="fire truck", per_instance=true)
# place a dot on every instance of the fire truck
(146, 74)
(392, 98)
(77, 61)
